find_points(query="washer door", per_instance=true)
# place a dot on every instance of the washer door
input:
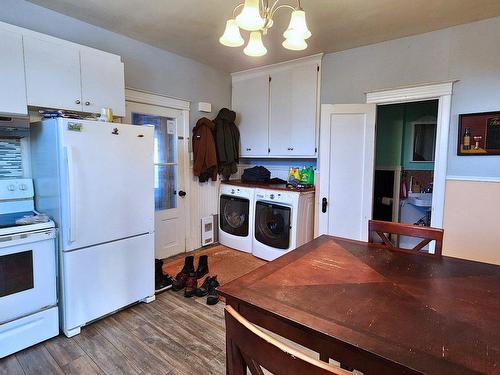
(272, 224)
(234, 215)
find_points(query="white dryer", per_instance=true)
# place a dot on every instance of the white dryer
(284, 220)
(236, 217)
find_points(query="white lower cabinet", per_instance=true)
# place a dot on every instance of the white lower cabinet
(13, 85)
(52, 74)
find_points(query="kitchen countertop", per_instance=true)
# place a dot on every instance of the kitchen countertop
(267, 186)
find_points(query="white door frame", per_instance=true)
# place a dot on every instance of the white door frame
(144, 97)
(442, 92)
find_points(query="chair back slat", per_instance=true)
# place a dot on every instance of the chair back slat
(249, 347)
(427, 234)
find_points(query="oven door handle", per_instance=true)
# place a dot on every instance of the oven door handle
(71, 195)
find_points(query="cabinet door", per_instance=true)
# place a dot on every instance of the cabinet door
(293, 111)
(251, 104)
(103, 83)
(52, 74)
(13, 85)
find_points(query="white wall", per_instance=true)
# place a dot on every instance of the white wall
(147, 68)
(469, 53)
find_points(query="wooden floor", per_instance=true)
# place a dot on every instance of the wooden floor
(172, 335)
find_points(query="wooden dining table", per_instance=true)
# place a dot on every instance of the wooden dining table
(376, 310)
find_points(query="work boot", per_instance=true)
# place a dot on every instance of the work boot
(202, 268)
(182, 277)
(191, 285)
(202, 291)
(213, 296)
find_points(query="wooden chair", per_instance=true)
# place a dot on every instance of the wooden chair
(249, 347)
(426, 233)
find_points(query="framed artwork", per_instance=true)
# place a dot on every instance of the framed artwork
(479, 134)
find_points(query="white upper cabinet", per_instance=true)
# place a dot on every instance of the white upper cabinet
(52, 74)
(251, 104)
(103, 83)
(277, 108)
(293, 111)
(13, 85)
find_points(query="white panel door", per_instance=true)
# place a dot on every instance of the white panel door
(347, 155)
(103, 82)
(13, 84)
(52, 74)
(251, 104)
(170, 160)
(108, 178)
(293, 111)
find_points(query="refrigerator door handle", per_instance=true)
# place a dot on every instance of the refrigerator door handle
(71, 194)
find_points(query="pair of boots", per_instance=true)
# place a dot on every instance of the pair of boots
(188, 277)
(209, 289)
(162, 281)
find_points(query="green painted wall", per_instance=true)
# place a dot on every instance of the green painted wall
(394, 138)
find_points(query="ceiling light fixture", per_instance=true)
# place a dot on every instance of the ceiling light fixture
(257, 17)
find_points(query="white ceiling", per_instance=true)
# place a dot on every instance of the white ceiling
(192, 27)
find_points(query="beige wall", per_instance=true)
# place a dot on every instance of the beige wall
(472, 220)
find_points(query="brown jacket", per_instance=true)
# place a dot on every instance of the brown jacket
(204, 153)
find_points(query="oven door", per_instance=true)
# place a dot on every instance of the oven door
(272, 224)
(27, 273)
(234, 215)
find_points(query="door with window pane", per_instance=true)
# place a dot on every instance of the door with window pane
(169, 154)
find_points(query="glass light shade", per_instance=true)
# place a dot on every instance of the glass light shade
(297, 26)
(255, 47)
(249, 18)
(231, 36)
(294, 43)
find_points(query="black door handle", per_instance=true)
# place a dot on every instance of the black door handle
(182, 193)
(324, 204)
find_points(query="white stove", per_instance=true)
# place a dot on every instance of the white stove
(28, 299)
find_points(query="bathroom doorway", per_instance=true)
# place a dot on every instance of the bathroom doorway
(405, 150)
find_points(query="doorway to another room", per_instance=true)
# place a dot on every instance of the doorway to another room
(405, 149)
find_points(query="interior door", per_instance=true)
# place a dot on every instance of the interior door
(52, 74)
(251, 104)
(103, 82)
(347, 163)
(107, 176)
(170, 158)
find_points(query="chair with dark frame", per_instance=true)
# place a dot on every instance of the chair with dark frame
(427, 234)
(249, 347)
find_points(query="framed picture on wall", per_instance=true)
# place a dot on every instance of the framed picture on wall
(479, 134)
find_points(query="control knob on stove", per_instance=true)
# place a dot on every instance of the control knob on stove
(11, 187)
(271, 196)
(22, 187)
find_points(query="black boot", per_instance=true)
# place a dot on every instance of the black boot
(158, 274)
(213, 296)
(181, 278)
(202, 268)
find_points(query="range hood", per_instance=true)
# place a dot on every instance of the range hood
(14, 126)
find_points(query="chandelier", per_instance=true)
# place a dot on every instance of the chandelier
(257, 17)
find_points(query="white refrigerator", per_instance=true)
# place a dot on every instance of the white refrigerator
(96, 180)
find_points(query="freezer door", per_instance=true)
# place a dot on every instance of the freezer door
(107, 176)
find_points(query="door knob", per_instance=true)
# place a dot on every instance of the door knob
(182, 193)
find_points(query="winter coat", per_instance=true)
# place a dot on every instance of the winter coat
(227, 140)
(204, 153)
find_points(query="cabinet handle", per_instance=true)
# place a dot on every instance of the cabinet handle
(77, 101)
(87, 103)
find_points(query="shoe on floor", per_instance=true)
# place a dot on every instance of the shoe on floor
(182, 277)
(213, 296)
(191, 285)
(202, 268)
(202, 291)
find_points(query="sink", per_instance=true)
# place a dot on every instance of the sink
(420, 199)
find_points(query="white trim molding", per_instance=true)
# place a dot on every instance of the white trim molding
(145, 97)
(410, 93)
(441, 91)
(473, 178)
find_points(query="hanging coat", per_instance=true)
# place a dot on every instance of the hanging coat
(227, 140)
(204, 153)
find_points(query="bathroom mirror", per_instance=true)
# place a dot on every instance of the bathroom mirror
(424, 142)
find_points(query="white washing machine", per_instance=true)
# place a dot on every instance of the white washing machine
(284, 220)
(236, 217)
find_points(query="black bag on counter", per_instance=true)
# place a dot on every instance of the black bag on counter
(256, 174)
